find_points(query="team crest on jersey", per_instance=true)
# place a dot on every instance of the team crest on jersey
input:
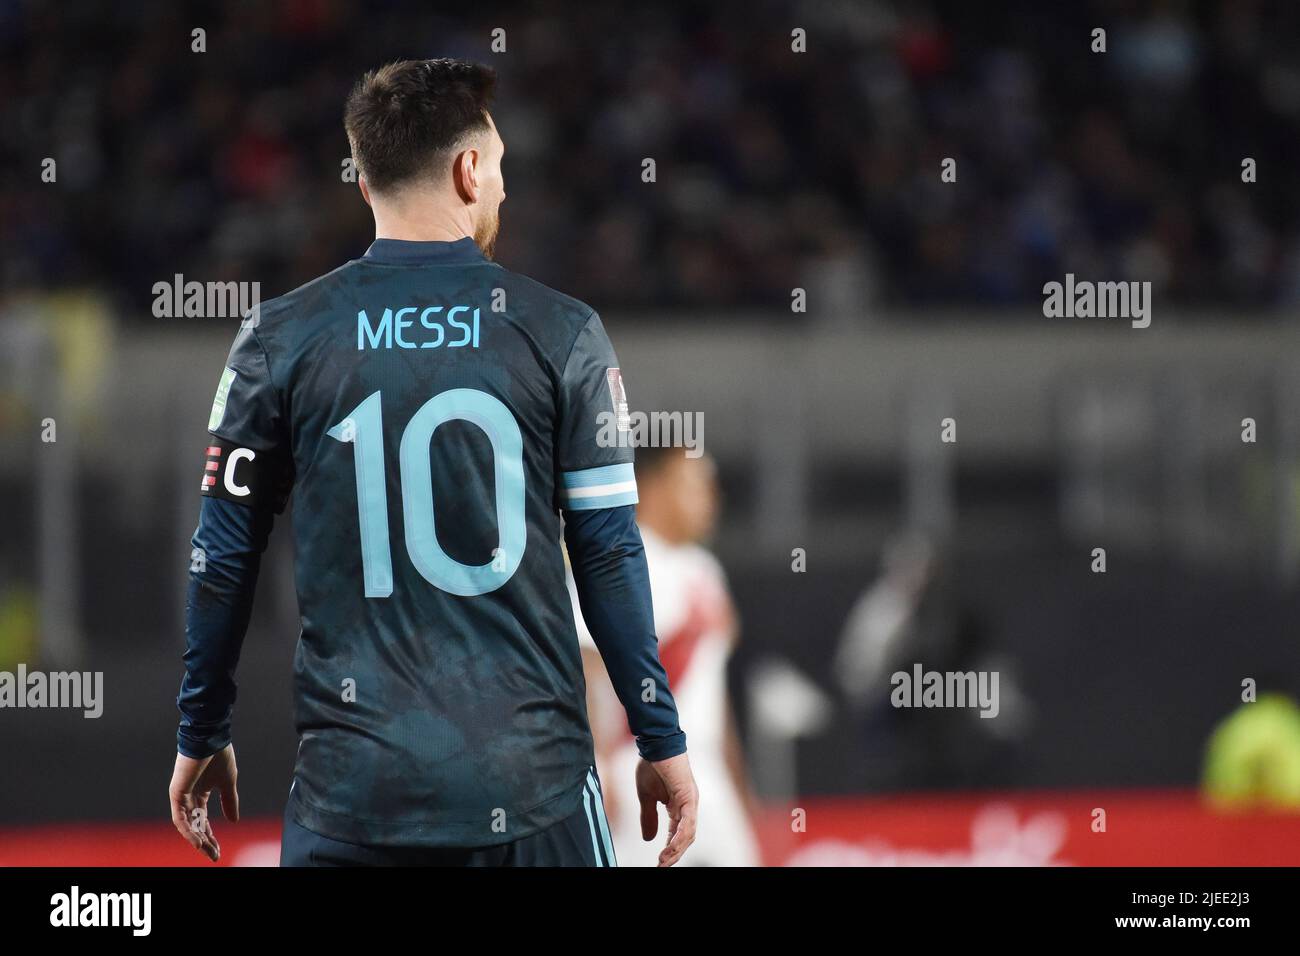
(219, 400)
(618, 395)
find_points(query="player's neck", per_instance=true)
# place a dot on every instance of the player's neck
(422, 224)
(422, 234)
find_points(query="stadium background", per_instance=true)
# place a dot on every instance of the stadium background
(776, 170)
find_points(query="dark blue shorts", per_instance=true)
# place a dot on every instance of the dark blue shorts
(581, 839)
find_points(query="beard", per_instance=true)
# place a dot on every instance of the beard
(485, 233)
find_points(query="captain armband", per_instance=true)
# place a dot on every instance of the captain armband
(245, 475)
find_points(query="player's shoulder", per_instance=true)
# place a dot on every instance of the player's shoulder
(313, 297)
(546, 307)
(537, 292)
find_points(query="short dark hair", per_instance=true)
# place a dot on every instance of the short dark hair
(401, 117)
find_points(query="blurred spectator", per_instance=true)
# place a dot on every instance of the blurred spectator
(1253, 758)
(913, 614)
(775, 169)
(698, 629)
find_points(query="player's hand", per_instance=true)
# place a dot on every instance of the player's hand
(671, 783)
(192, 783)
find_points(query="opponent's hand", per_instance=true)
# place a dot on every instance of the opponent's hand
(671, 783)
(192, 783)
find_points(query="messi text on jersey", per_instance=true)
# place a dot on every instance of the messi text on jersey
(436, 327)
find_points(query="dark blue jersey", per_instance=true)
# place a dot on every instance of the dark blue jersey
(432, 413)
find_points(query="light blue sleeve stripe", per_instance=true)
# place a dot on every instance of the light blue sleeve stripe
(604, 475)
(601, 501)
(586, 805)
(604, 824)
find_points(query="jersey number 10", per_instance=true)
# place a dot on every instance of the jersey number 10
(364, 429)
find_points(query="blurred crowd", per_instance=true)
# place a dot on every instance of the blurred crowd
(774, 169)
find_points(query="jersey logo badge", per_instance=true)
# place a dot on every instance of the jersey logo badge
(219, 400)
(618, 395)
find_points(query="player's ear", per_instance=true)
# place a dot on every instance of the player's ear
(365, 189)
(467, 174)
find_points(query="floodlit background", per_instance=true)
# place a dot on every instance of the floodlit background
(922, 301)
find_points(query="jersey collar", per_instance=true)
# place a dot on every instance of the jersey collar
(410, 252)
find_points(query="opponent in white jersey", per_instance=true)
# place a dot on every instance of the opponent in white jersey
(697, 628)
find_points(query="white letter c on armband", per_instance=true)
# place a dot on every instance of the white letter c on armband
(240, 454)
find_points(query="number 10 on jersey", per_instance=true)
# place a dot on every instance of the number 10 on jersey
(363, 428)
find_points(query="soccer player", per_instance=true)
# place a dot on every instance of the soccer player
(432, 414)
(697, 626)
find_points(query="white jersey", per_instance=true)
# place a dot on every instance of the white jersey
(696, 625)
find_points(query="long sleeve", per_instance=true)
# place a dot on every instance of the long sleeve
(226, 555)
(613, 584)
(596, 488)
(246, 480)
